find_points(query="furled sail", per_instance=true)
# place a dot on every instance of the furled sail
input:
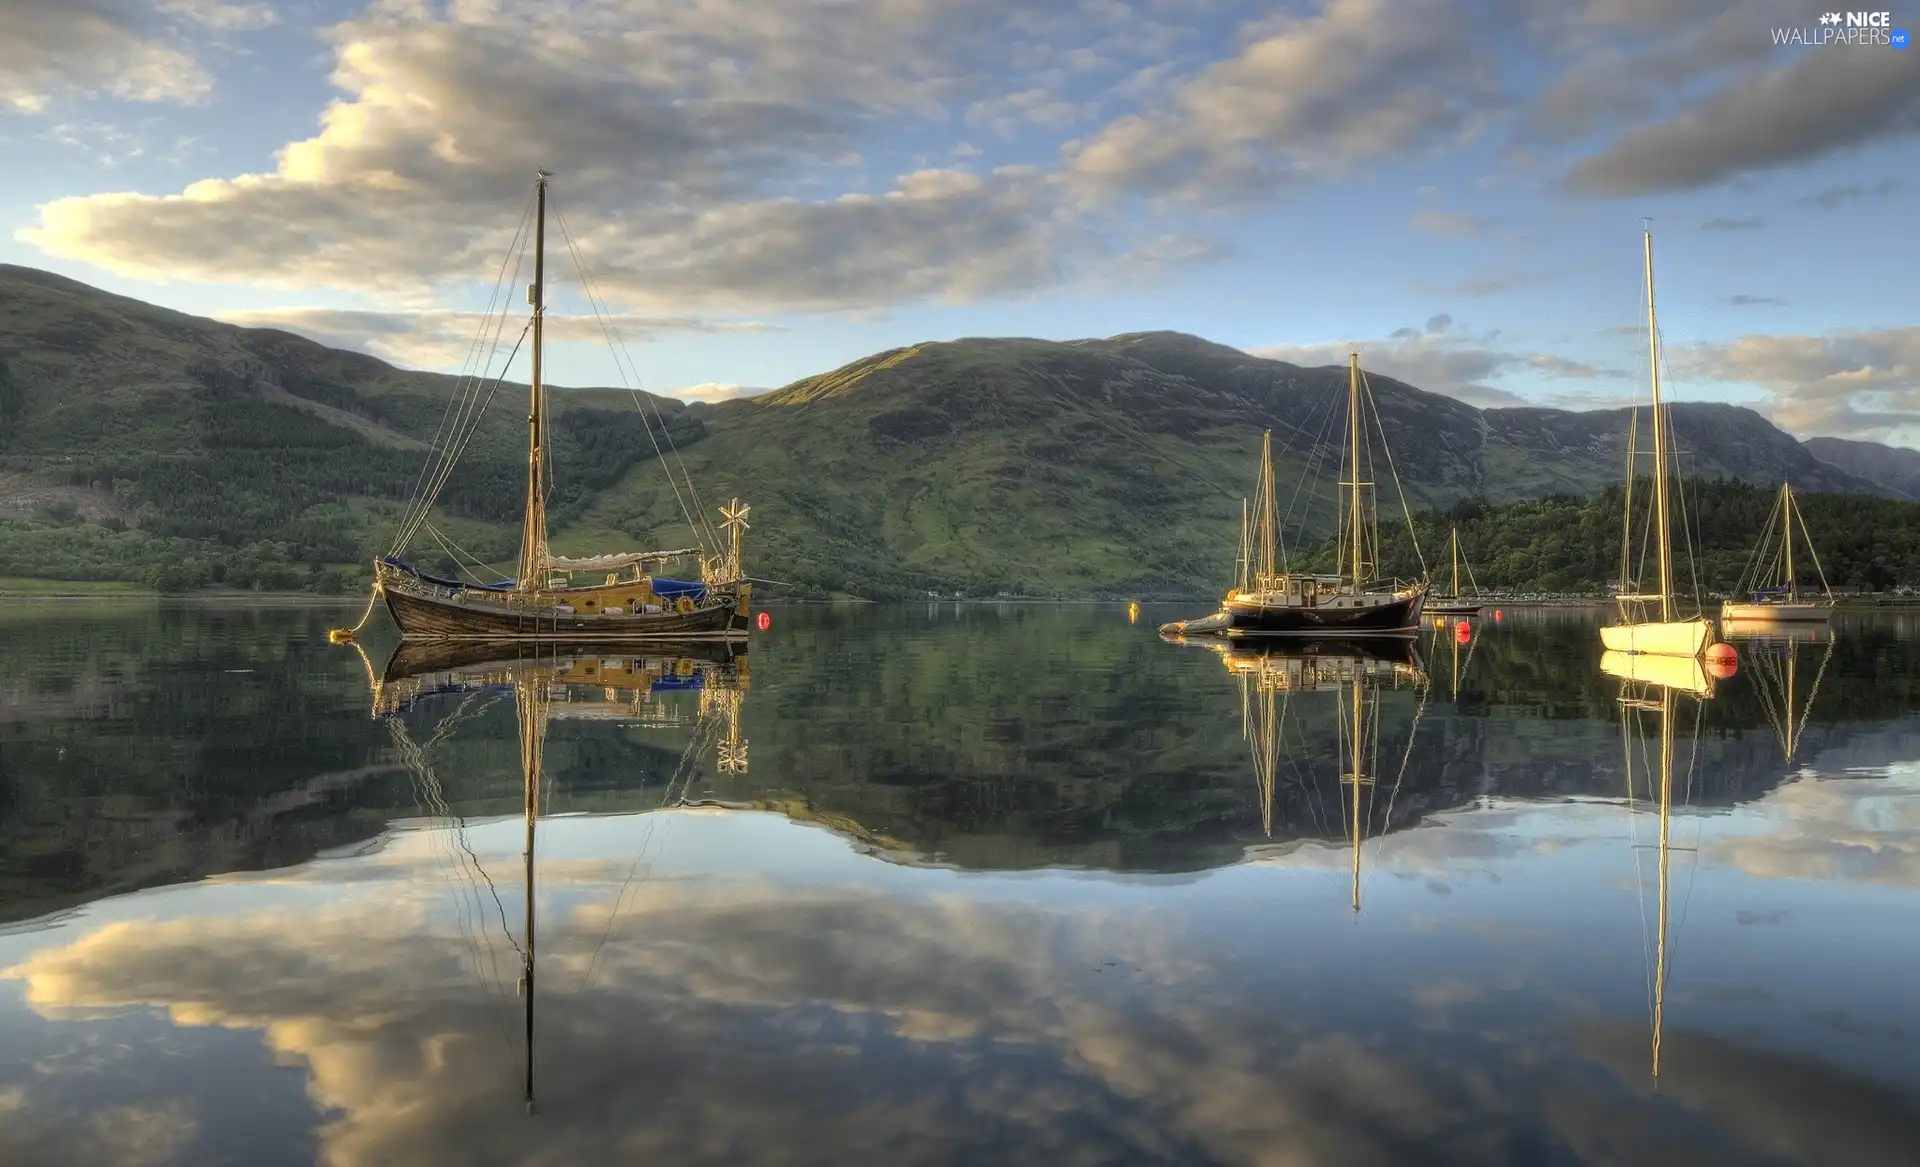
(617, 559)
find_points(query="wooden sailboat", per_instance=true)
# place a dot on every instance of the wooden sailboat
(1270, 600)
(1779, 600)
(543, 599)
(1455, 602)
(1648, 621)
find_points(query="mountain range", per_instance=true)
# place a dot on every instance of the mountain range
(141, 443)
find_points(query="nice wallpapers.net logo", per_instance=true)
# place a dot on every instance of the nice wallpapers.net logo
(1847, 29)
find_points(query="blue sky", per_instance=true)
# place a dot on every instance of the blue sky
(767, 189)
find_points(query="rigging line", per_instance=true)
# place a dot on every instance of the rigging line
(1813, 693)
(471, 557)
(473, 349)
(464, 428)
(1750, 575)
(701, 528)
(427, 782)
(472, 377)
(440, 485)
(452, 554)
(1309, 472)
(467, 418)
(1373, 404)
(613, 917)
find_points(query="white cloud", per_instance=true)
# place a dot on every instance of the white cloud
(50, 48)
(1308, 96)
(1849, 383)
(668, 125)
(1451, 224)
(221, 15)
(1443, 359)
(716, 391)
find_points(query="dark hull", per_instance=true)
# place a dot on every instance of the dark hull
(1452, 608)
(1396, 618)
(430, 618)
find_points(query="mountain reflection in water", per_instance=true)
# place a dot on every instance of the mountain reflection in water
(999, 885)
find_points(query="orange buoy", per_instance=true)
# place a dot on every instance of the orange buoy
(1722, 660)
(763, 621)
(1497, 615)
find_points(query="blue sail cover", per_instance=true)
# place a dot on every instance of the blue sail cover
(673, 589)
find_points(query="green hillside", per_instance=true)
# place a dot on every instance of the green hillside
(142, 444)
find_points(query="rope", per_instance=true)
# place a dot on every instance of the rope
(472, 424)
(346, 635)
(694, 513)
(1367, 392)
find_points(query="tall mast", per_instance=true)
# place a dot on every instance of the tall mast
(530, 696)
(1456, 563)
(1246, 548)
(1358, 690)
(1659, 449)
(1786, 544)
(533, 532)
(1266, 519)
(1353, 454)
(1666, 801)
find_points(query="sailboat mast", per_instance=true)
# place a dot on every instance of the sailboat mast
(1659, 449)
(533, 533)
(1666, 802)
(532, 715)
(1786, 544)
(1265, 534)
(1353, 428)
(1358, 690)
(1456, 563)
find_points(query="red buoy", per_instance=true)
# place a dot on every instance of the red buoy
(1462, 631)
(1722, 660)
(763, 621)
(1497, 614)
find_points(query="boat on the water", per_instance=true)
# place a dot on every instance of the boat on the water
(1456, 602)
(1270, 600)
(1650, 621)
(1777, 598)
(612, 595)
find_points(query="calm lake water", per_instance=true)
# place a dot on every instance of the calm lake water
(944, 884)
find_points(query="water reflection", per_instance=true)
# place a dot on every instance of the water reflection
(611, 682)
(1270, 672)
(921, 942)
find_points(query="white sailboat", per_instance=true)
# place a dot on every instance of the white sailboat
(1456, 602)
(1780, 600)
(1648, 622)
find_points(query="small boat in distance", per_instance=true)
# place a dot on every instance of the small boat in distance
(1270, 600)
(621, 598)
(1779, 599)
(1660, 630)
(1454, 603)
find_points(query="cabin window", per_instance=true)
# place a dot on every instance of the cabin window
(590, 603)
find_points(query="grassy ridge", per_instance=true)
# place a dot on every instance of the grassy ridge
(147, 446)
